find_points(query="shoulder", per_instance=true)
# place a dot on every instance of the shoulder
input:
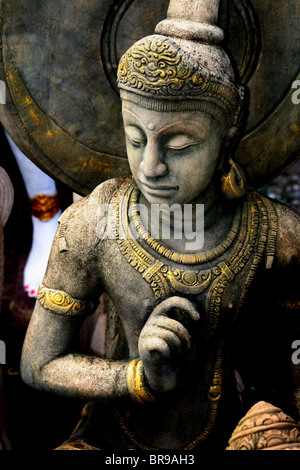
(288, 234)
(102, 194)
(280, 283)
(74, 255)
(78, 223)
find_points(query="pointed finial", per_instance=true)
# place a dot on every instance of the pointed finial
(192, 20)
(181, 67)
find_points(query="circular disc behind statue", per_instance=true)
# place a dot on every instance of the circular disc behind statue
(59, 61)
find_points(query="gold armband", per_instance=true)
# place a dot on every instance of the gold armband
(62, 303)
(44, 207)
(137, 383)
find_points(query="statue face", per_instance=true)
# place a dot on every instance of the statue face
(172, 156)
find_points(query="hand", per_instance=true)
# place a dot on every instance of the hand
(164, 340)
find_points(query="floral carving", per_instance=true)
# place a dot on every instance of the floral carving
(160, 68)
(265, 427)
(153, 66)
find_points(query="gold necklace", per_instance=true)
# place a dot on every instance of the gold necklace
(162, 276)
(183, 258)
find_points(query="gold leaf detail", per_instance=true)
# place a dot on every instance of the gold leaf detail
(60, 302)
(160, 68)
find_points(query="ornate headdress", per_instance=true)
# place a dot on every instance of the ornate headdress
(182, 67)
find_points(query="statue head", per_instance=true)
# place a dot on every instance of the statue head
(179, 85)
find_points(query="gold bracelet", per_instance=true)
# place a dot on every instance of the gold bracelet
(44, 207)
(136, 383)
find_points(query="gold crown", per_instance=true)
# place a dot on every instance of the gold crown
(156, 67)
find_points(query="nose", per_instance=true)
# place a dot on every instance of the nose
(152, 164)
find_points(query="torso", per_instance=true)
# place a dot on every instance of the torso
(216, 281)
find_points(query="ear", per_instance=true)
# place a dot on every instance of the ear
(232, 132)
(229, 141)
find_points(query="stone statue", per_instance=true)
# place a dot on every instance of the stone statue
(265, 427)
(6, 203)
(167, 381)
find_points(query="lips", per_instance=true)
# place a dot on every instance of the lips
(157, 190)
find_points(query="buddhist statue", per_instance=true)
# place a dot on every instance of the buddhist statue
(178, 297)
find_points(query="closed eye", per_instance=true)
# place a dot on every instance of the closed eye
(135, 142)
(135, 137)
(181, 142)
(183, 146)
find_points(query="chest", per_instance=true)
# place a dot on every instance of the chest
(139, 282)
(217, 281)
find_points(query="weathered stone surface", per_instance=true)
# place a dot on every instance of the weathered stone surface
(6, 202)
(265, 427)
(62, 57)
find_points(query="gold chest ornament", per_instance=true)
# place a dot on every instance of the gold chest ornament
(253, 234)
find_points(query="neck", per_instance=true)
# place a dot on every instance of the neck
(215, 206)
(209, 213)
(212, 200)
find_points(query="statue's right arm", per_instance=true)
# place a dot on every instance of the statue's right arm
(50, 361)
(51, 358)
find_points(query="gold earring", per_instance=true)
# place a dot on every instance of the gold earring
(233, 183)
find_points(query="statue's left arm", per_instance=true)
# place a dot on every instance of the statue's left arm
(285, 294)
